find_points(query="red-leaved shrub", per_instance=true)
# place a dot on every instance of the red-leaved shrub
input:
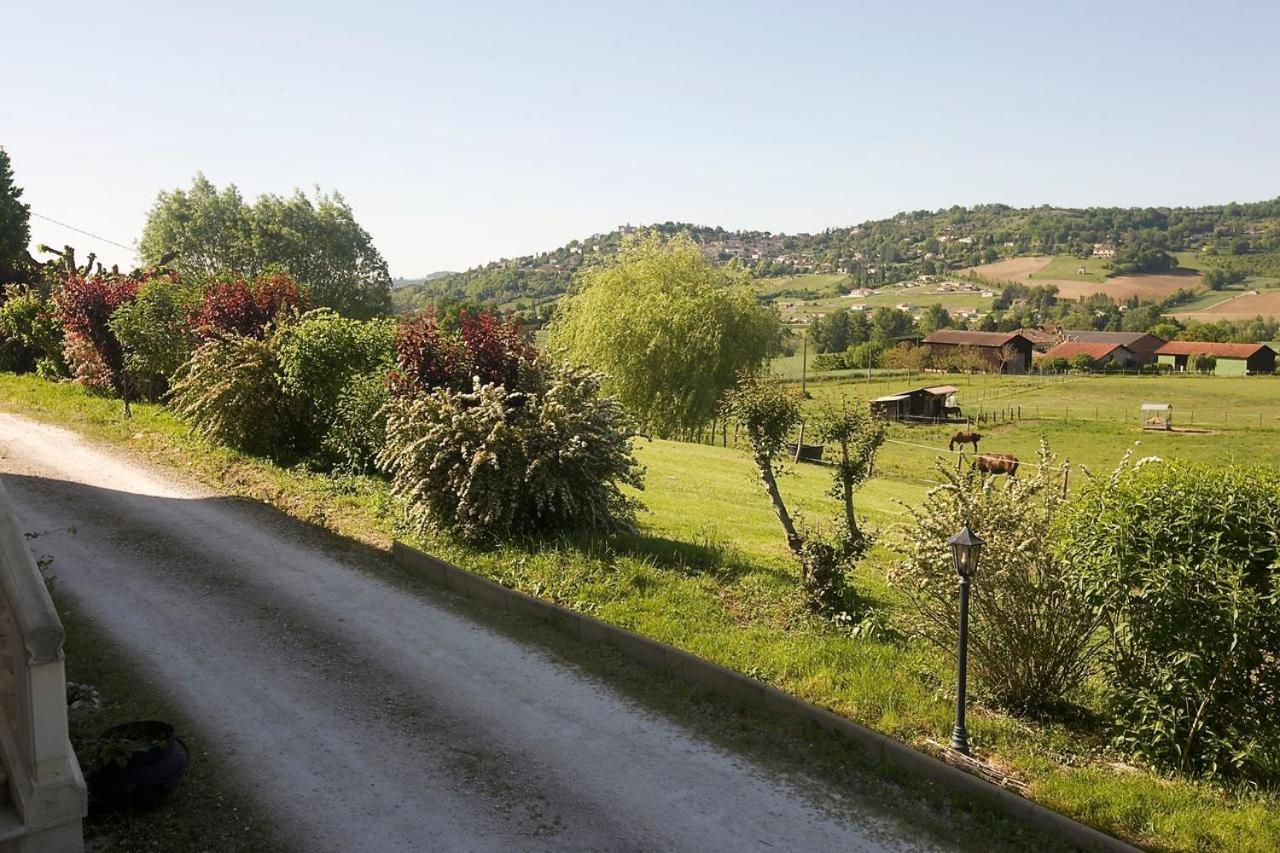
(486, 345)
(84, 306)
(245, 308)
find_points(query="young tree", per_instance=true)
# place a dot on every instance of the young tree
(858, 436)
(671, 331)
(15, 230)
(212, 232)
(768, 412)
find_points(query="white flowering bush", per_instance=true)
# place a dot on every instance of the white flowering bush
(1033, 635)
(493, 463)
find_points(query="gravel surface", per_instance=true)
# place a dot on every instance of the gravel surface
(366, 717)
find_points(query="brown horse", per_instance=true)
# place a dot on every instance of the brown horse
(996, 463)
(962, 438)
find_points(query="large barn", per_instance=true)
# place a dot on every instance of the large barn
(1230, 359)
(1141, 344)
(992, 346)
(1102, 354)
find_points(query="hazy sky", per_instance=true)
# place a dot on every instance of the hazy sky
(465, 131)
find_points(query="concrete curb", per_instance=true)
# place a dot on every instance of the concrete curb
(735, 685)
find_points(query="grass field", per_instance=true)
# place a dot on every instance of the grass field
(1065, 267)
(709, 573)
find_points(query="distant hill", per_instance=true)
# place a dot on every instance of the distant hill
(398, 283)
(902, 247)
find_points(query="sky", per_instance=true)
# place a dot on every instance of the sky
(465, 132)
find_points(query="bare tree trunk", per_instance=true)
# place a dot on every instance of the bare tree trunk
(779, 508)
(855, 534)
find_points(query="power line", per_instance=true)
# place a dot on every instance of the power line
(85, 233)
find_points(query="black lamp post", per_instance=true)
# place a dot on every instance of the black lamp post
(965, 548)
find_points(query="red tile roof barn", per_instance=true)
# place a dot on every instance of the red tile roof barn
(972, 339)
(1068, 349)
(1244, 351)
(1126, 338)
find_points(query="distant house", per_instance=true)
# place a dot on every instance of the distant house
(1007, 352)
(1141, 344)
(1101, 353)
(1104, 250)
(1230, 359)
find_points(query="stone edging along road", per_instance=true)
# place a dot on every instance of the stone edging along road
(734, 685)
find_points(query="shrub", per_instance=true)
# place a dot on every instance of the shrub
(484, 345)
(857, 356)
(230, 392)
(153, 332)
(491, 463)
(1056, 364)
(358, 430)
(1032, 635)
(29, 327)
(1184, 561)
(84, 308)
(318, 356)
(1083, 361)
(1205, 363)
(241, 307)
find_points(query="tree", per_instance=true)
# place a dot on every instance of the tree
(830, 333)
(889, 325)
(15, 229)
(671, 331)
(935, 317)
(1220, 278)
(317, 241)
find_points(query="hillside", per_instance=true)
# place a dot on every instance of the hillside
(908, 245)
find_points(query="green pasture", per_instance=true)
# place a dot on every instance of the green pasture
(1066, 266)
(809, 285)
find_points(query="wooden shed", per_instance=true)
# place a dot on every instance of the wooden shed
(933, 405)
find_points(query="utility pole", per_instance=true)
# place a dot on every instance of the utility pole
(804, 362)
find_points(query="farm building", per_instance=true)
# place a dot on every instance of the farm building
(1008, 352)
(1141, 344)
(919, 404)
(1230, 359)
(1043, 339)
(1102, 354)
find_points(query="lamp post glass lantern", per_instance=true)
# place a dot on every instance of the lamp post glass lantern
(966, 546)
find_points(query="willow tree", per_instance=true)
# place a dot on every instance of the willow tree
(671, 330)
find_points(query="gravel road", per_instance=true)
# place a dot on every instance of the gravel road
(369, 718)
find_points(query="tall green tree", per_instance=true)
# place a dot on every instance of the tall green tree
(316, 240)
(15, 228)
(672, 331)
